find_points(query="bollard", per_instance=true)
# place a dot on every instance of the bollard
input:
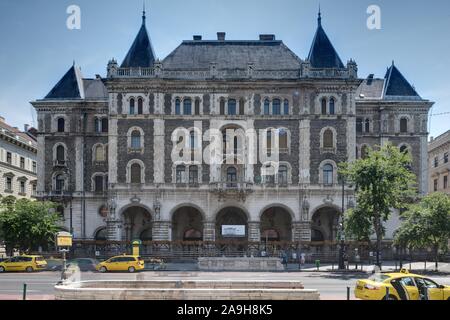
(24, 297)
(348, 293)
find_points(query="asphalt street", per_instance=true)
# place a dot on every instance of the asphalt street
(331, 285)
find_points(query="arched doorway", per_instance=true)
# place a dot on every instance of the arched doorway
(187, 224)
(101, 234)
(232, 231)
(324, 224)
(276, 225)
(137, 224)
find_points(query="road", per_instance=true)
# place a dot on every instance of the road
(331, 285)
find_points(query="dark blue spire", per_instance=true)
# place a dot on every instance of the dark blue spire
(322, 53)
(397, 85)
(69, 87)
(141, 53)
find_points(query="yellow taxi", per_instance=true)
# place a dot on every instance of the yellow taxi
(23, 263)
(121, 263)
(402, 286)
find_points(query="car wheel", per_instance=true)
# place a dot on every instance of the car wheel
(29, 269)
(391, 297)
(2, 269)
(131, 269)
(103, 269)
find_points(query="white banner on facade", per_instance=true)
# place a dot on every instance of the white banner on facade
(233, 230)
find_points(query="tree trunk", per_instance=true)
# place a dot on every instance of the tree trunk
(378, 232)
(436, 257)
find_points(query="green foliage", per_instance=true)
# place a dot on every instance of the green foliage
(382, 181)
(426, 224)
(27, 224)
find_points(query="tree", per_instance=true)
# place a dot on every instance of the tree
(383, 181)
(26, 224)
(427, 224)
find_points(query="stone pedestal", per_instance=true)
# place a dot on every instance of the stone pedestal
(161, 230)
(209, 231)
(254, 232)
(304, 231)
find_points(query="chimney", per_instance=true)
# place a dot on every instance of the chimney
(221, 36)
(97, 76)
(26, 127)
(197, 38)
(266, 37)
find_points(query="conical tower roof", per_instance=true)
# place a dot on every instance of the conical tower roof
(69, 87)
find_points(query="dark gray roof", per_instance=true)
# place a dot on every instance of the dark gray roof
(322, 53)
(397, 85)
(237, 54)
(94, 89)
(69, 87)
(370, 89)
(141, 53)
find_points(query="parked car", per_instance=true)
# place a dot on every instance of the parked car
(122, 263)
(402, 286)
(23, 263)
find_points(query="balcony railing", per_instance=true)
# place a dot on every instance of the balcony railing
(59, 163)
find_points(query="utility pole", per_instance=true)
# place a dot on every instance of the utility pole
(341, 228)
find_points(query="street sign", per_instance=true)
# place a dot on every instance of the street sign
(63, 239)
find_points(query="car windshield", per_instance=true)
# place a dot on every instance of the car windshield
(39, 258)
(378, 277)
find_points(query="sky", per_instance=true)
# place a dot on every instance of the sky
(37, 48)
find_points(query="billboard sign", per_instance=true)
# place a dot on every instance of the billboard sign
(233, 231)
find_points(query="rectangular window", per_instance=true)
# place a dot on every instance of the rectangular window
(359, 125)
(445, 182)
(22, 187)
(22, 162)
(446, 157)
(8, 184)
(98, 183)
(435, 185)
(33, 190)
(436, 162)
(9, 157)
(34, 167)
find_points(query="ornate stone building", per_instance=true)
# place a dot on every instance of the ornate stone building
(439, 165)
(106, 144)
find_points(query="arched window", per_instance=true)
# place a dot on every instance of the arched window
(328, 174)
(328, 139)
(276, 107)
(135, 139)
(132, 111)
(187, 106)
(97, 125)
(286, 106)
(364, 152)
(180, 172)
(135, 173)
(269, 141)
(101, 235)
(404, 149)
(104, 125)
(193, 174)
(324, 106)
(60, 182)
(266, 107)
(222, 106)
(192, 140)
(177, 106)
(283, 175)
(332, 106)
(241, 107)
(140, 106)
(403, 125)
(197, 106)
(99, 154)
(232, 107)
(192, 235)
(60, 154)
(367, 126)
(359, 125)
(61, 125)
(283, 140)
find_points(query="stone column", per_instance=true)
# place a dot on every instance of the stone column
(158, 145)
(114, 227)
(161, 230)
(40, 165)
(304, 152)
(112, 151)
(351, 138)
(79, 164)
(209, 231)
(296, 231)
(305, 231)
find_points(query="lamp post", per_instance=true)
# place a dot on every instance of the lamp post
(341, 228)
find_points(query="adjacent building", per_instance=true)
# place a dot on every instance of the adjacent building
(18, 163)
(439, 165)
(106, 144)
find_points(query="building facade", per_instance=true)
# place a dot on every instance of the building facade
(106, 145)
(439, 166)
(18, 162)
